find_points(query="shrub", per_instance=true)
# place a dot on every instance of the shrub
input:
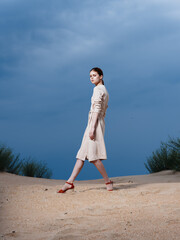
(13, 164)
(174, 145)
(32, 168)
(165, 158)
(8, 161)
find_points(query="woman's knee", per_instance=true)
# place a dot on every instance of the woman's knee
(96, 162)
(80, 161)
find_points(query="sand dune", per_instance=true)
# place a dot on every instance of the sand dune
(140, 207)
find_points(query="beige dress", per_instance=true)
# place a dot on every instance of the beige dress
(95, 149)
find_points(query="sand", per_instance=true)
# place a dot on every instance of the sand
(140, 207)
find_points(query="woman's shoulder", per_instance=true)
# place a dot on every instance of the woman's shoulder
(100, 88)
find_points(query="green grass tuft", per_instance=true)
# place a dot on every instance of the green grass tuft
(167, 157)
(32, 168)
(8, 161)
(27, 167)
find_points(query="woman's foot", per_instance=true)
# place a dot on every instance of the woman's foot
(66, 186)
(109, 185)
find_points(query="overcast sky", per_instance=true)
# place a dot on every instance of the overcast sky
(47, 50)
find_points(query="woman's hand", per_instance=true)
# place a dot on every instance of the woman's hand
(92, 134)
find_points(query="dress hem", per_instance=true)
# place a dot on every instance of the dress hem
(91, 160)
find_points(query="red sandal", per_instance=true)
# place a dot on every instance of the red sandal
(110, 182)
(63, 191)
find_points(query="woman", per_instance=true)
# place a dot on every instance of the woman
(93, 145)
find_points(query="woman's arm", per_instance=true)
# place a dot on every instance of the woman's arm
(97, 106)
(94, 124)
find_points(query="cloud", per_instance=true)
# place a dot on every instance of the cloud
(53, 35)
(41, 40)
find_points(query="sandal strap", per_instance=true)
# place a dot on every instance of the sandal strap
(109, 182)
(70, 183)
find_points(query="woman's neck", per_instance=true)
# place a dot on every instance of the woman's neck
(100, 83)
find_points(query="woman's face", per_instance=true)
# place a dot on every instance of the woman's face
(95, 78)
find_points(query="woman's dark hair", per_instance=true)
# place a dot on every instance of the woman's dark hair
(99, 71)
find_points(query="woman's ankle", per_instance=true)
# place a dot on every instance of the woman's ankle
(70, 180)
(107, 180)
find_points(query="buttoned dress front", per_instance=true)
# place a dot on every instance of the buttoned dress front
(95, 149)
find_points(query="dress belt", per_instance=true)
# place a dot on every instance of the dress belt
(102, 114)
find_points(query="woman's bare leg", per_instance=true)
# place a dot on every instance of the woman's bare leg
(77, 168)
(99, 165)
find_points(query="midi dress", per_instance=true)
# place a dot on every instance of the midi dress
(95, 149)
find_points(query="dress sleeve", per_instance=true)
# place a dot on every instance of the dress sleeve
(97, 100)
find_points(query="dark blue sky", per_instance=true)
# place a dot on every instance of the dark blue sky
(47, 50)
